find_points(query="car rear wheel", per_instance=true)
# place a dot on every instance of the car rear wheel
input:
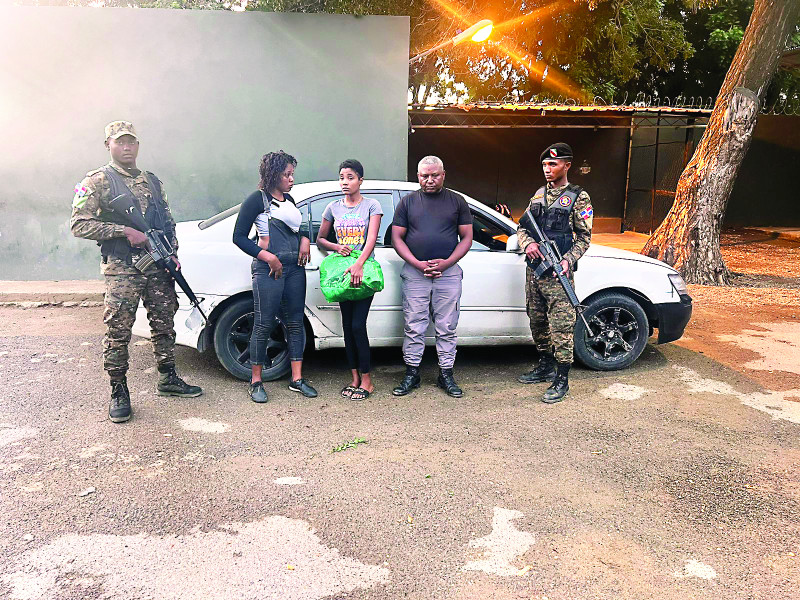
(619, 332)
(232, 343)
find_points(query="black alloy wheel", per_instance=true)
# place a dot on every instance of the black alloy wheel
(232, 343)
(618, 336)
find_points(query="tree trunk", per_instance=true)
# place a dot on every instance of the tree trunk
(425, 94)
(688, 238)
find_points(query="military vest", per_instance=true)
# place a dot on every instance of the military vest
(555, 220)
(155, 215)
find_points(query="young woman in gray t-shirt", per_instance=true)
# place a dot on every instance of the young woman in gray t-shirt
(356, 221)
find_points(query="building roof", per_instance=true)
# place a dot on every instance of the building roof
(702, 108)
(501, 115)
(790, 59)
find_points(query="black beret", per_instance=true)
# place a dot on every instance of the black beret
(557, 150)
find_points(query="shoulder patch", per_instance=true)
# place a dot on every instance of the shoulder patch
(586, 213)
(79, 199)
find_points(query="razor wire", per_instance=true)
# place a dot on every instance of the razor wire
(643, 100)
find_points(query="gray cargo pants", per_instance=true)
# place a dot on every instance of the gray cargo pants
(424, 298)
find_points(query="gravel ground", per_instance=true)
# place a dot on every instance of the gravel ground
(674, 479)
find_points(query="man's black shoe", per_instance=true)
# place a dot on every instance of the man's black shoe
(169, 384)
(560, 387)
(119, 410)
(411, 380)
(544, 371)
(302, 386)
(257, 392)
(447, 382)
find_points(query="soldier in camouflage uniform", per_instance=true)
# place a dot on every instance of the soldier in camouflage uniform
(121, 246)
(564, 213)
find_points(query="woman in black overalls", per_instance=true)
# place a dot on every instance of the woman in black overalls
(279, 277)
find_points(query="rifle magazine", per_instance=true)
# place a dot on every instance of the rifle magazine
(144, 262)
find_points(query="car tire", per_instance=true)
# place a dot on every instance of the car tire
(232, 343)
(619, 332)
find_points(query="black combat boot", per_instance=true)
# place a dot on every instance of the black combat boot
(169, 384)
(560, 387)
(544, 371)
(119, 409)
(411, 380)
(447, 382)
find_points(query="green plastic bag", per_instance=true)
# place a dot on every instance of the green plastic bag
(335, 282)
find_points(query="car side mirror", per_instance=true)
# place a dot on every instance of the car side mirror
(512, 245)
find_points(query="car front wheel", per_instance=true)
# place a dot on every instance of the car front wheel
(232, 343)
(619, 332)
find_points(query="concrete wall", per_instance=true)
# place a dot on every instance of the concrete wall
(208, 91)
(765, 192)
(503, 165)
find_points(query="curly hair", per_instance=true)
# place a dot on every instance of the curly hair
(272, 165)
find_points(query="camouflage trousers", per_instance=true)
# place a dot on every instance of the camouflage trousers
(156, 289)
(552, 316)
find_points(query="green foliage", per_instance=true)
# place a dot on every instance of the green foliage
(564, 48)
(714, 31)
(609, 48)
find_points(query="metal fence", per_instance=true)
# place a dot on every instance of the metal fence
(658, 154)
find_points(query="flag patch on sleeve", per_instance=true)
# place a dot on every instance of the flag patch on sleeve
(586, 213)
(80, 196)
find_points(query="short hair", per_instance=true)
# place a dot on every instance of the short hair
(352, 163)
(430, 160)
(273, 164)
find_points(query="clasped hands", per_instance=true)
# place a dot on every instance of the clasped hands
(434, 267)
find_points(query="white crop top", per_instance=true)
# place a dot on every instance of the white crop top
(284, 211)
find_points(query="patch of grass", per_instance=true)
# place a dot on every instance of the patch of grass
(347, 445)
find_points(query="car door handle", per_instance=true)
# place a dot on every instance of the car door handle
(312, 268)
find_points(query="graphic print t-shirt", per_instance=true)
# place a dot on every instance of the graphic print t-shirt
(352, 223)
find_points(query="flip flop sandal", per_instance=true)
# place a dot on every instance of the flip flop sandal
(347, 391)
(359, 394)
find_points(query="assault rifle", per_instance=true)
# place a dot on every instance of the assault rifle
(552, 260)
(159, 250)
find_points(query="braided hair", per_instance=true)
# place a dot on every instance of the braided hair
(272, 166)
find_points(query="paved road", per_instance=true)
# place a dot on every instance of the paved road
(675, 479)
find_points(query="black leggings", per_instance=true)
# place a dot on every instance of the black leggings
(354, 325)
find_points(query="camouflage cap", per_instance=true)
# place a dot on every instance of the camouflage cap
(117, 129)
(557, 150)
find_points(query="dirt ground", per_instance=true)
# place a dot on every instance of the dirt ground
(674, 479)
(757, 316)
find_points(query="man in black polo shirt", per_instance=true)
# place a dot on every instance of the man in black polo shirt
(431, 231)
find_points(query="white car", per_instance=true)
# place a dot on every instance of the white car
(625, 295)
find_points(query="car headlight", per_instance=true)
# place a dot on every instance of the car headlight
(678, 283)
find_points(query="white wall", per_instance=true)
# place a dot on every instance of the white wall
(208, 91)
